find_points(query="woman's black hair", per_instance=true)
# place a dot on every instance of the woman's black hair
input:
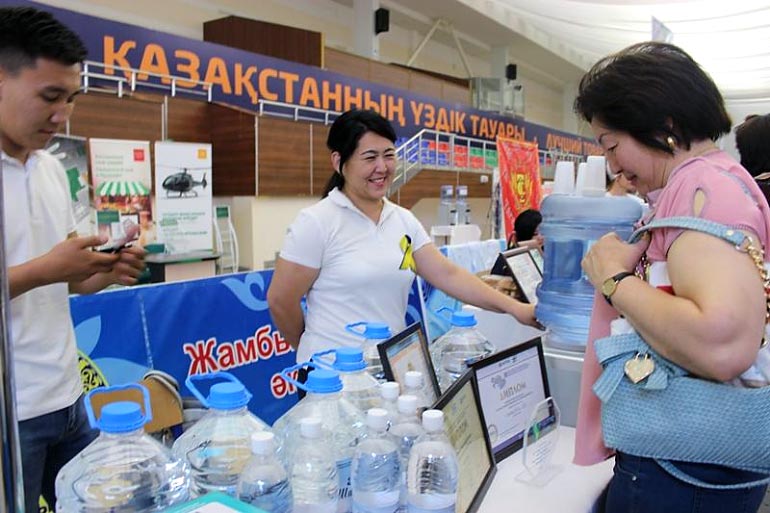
(345, 133)
(752, 138)
(653, 91)
(526, 223)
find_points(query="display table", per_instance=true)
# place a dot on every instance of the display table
(573, 490)
(181, 266)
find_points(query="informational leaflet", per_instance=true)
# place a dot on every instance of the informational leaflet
(509, 389)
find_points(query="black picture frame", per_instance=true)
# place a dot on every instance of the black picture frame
(519, 264)
(466, 430)
(487, 370)
(405, 351)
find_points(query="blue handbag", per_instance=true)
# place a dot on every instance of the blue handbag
(673, 416)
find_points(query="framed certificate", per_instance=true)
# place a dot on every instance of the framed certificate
(521, 265)
(408, 351)
(510, 384)
(464, 426)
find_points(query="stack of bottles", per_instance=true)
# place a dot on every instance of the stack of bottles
(571, 224)
(124, 469)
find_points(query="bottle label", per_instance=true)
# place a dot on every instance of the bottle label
(344, 504)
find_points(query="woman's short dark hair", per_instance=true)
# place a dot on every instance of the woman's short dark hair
(526, 223)
(752, 138)
(652, 91)
(345, 133)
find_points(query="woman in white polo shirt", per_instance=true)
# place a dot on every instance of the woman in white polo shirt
(354, 254)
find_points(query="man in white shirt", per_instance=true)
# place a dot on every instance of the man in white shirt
(39, 79)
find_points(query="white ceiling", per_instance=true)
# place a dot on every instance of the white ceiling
(730, 39)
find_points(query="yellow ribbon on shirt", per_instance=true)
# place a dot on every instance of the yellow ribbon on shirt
(407, 263)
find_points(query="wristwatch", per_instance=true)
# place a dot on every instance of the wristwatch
(611, 284)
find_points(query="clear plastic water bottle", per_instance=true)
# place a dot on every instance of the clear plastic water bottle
(389, 392)
(358, 386)
(218, 446)
(404, 432)
(571, 224)
(373, 333)
(124, 470)
(414, 384)
(342, 423)
(432, 472)
(313, 471)
(456, 349)
(264, 482)
(376, 470)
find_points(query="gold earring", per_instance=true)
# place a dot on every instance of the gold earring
(671, 142)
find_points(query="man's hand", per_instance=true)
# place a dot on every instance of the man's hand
(73, 260)
(129, 266)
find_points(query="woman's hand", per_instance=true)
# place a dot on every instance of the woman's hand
(610, 255)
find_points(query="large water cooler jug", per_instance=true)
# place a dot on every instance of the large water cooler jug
(571, 224)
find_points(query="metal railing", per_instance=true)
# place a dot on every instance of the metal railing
(102, 77)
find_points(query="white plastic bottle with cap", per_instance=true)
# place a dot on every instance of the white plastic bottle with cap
(218, 446)
(342, 423)
(264, 482)
(376, 472)
(358, 386)
(313, 471)
(414, 384)
(432, 472)
(456, 349)
(124, 469)
(373, 333)
(404, 432)
(389, 392)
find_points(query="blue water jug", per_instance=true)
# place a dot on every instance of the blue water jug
(373, 333)
(124, 469)
(571, 224)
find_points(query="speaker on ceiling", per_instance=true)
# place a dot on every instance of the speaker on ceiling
(381, 20)
(510, 72)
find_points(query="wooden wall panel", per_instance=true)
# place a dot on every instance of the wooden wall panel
(284, 157)
(455, 94)
(347, 64)
(322, 166)
(423, 84)
(388, 75)
(233, 159)
(427, 184)
(109, 117)
(188, 120)
(288, 43)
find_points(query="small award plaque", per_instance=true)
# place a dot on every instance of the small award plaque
(540, 444)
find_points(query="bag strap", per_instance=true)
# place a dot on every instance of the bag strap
(674, 471)
(742, 242)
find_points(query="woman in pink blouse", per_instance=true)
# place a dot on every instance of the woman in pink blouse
(699, 302)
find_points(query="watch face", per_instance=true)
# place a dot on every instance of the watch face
(608, 287)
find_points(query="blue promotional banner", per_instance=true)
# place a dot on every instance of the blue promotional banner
(242, 79)
(191, 328)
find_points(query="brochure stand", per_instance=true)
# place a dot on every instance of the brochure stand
(540, 444)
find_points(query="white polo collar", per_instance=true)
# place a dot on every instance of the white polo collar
(340, 199)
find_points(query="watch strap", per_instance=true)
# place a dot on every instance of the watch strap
(617, 279)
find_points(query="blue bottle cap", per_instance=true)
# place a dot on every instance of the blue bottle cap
(465, 319)
(377, 330)
(322, 381)
(228, 396)
(349, 359)
(121, 417)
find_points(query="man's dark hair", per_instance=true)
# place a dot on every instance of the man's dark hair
(752, 138)
(27, 34)
(526, 223)
(345, 133)
(652, 91)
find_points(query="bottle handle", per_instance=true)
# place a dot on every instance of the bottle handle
(285, 374)
(443, 309)
(94, 422)
(226, 376)
(351, 328)
(322, 362)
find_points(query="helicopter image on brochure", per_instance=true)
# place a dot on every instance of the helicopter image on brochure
(184, 183)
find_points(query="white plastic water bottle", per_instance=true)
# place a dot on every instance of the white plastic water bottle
(313, 471)
(123, 470)
(389, 392)
(376, 469)
(404, 432)
(432, 472)
(218, 446)
(414, 384)
(264, 482)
